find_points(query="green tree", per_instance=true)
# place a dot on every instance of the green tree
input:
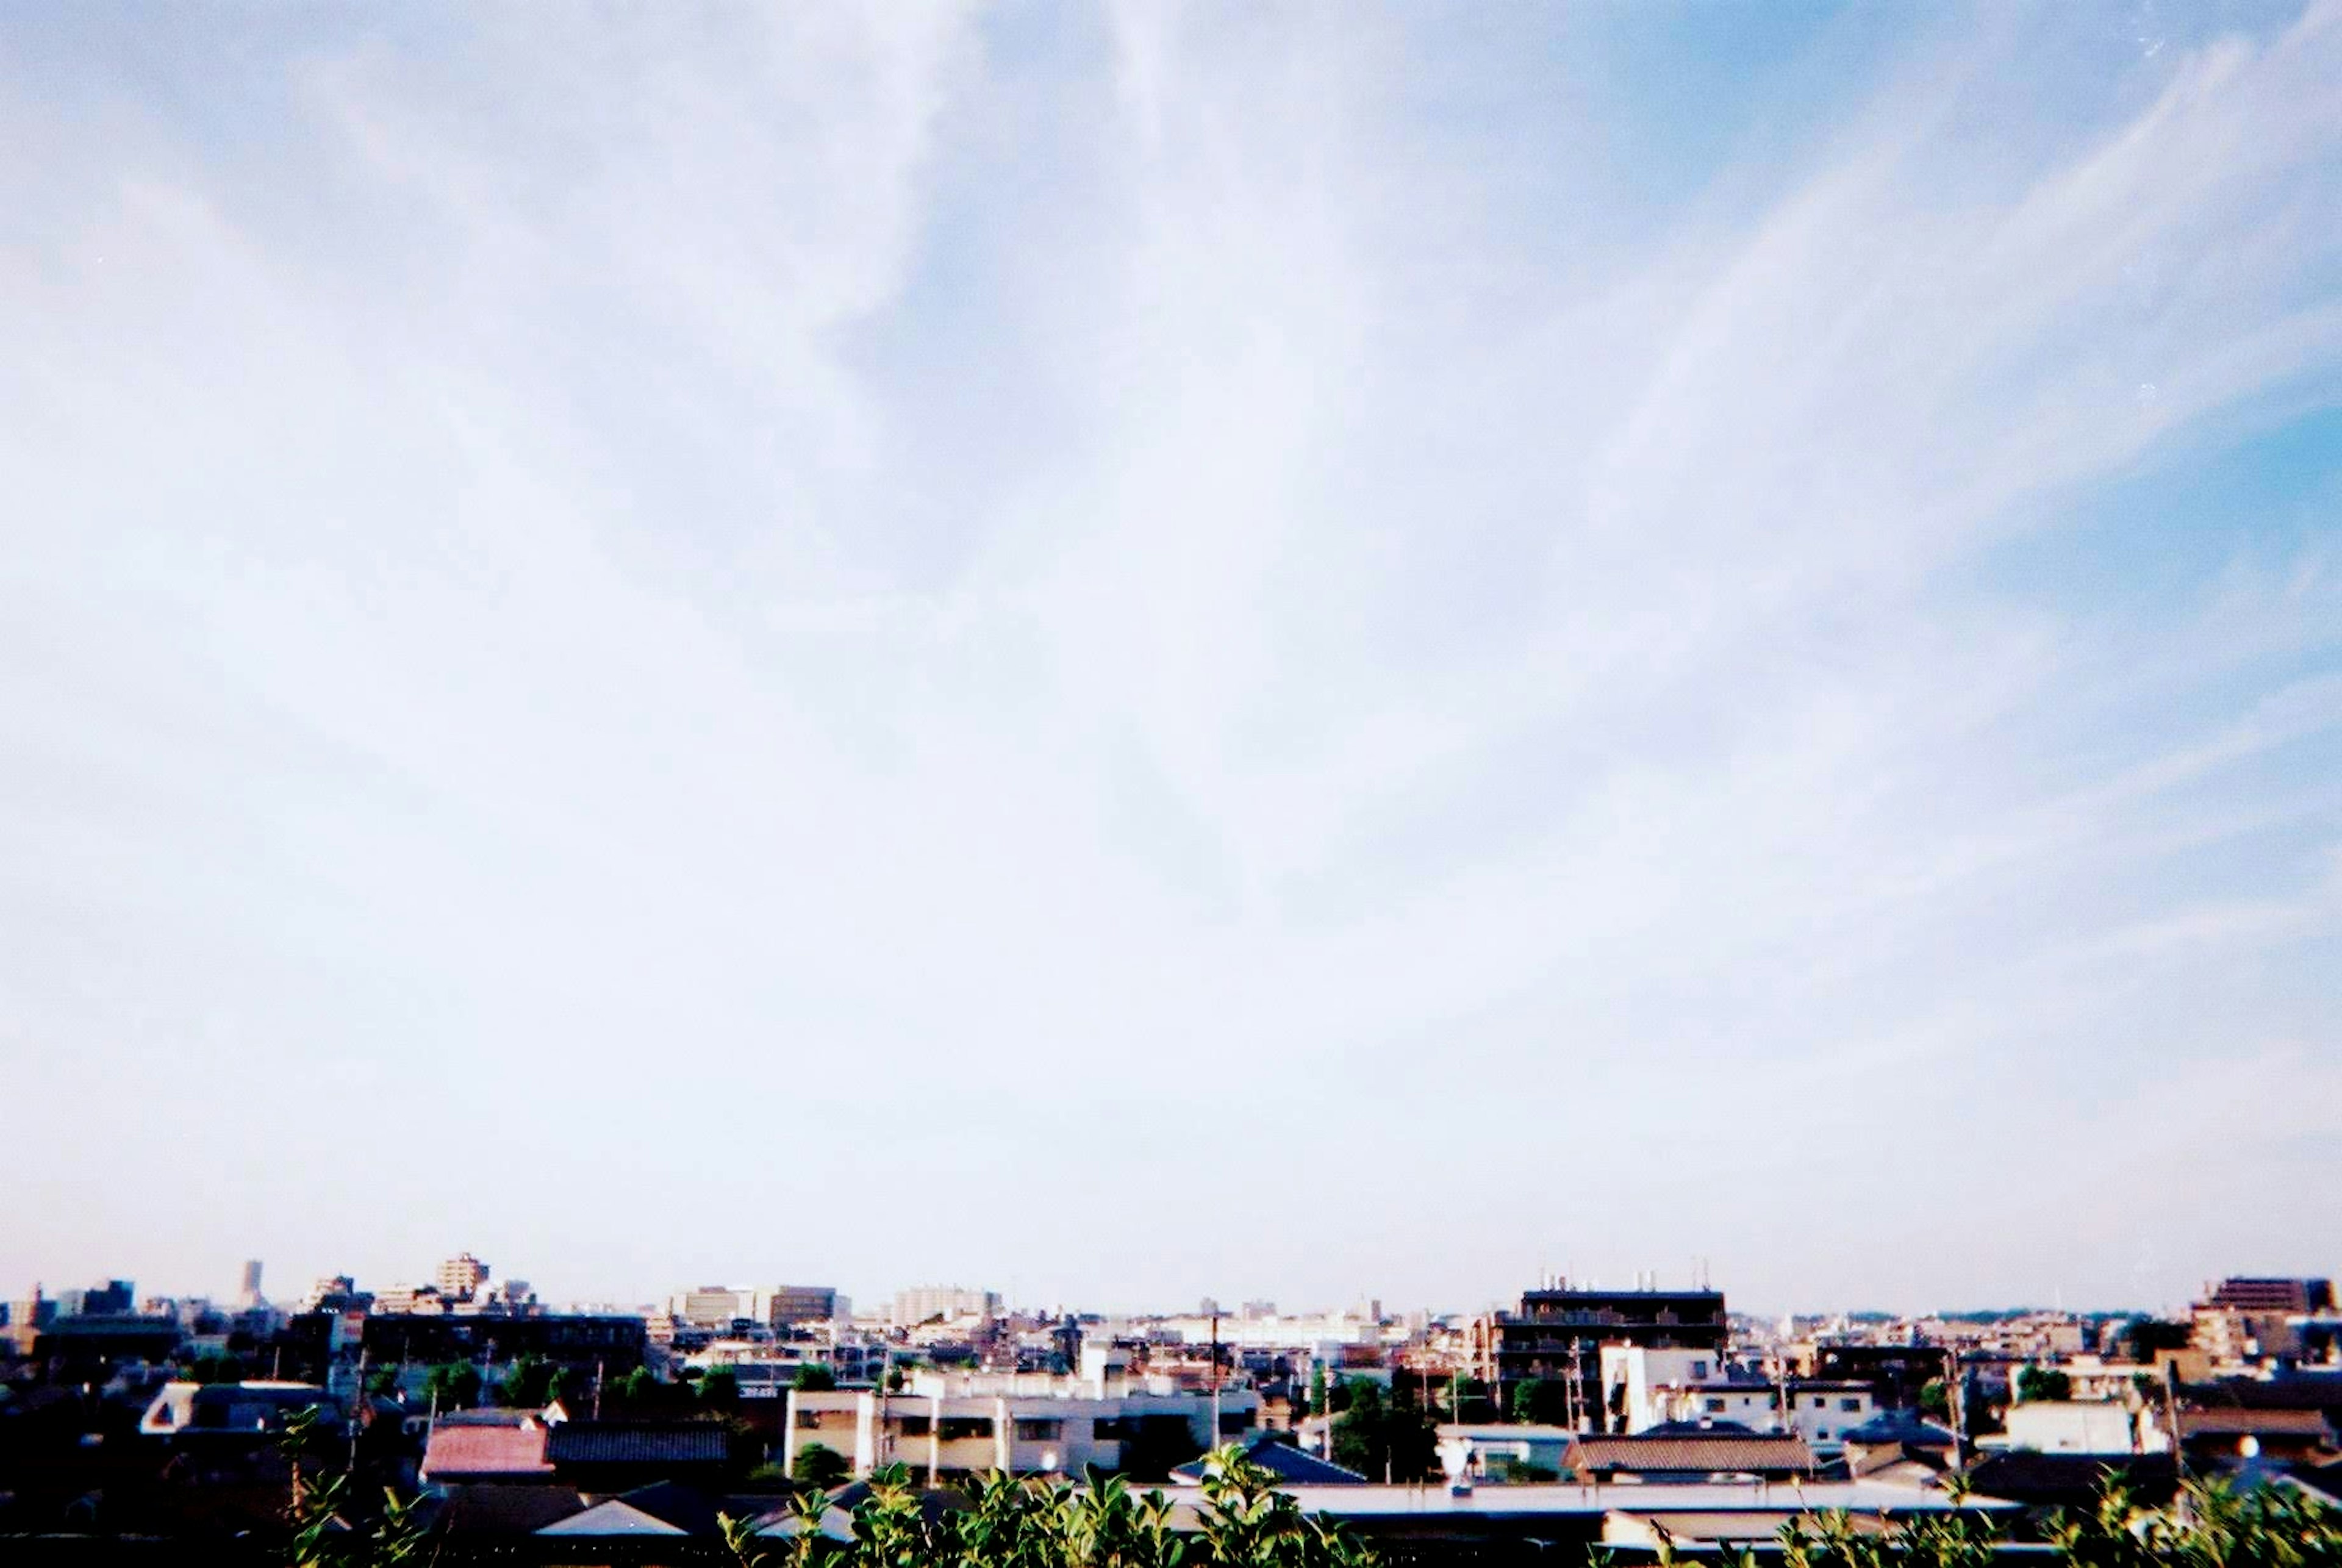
(216, 1366)
(1317, 1393)
(813, 1377)
(453, 1385)
(821, 1467)
(1380, 1435)
(1541, 1402)
(527, 1384)
(382, 1381)
(720, 1389)
(2042, 1382)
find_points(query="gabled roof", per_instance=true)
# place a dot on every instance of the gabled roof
(662, 1508)
(637, 1442)
(1285, 1461)
(1716, 1453)
(503, 1508)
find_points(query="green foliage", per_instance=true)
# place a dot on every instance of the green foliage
(813, 1377)
(2044, 1382)
(216, 1366)
(1318, 1390)
(1541, 1402)
(528, 1385)
(1522, 1472)
(321, 1532)
(720, 1389)
(818, 1466)
(1378, 1435)
(382, 1381)
(1837, 1540)
(453, 1385)
(2215, 1525)
(1025, 1523)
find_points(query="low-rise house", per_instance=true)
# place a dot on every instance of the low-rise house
(2075, 1426)
(1689, 1456)
(1494, 1451)
(237, 1409)
(956, 1424)
(612, 1456)
(512, 1447)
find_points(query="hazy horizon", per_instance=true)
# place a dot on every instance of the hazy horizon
(1128, 654)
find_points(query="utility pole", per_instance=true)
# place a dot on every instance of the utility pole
(1215, 1382)
(1956, 1402)
(2171, 1416)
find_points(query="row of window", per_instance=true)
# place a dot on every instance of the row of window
(1817, 1401)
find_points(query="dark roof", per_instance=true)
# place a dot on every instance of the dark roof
(2325, 1479)
(503, 1508)
(1700, 1453)
(2305, 1390)
(1285, 1461)
(1899, 1427)
(2072, 1480)
(637, 1442)
(2233, 1423)
(1698, 1428)
(693, 1513)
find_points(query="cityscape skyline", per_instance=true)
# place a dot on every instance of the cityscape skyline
(1697, 1275)
(1164, 652)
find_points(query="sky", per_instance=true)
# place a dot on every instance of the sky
(1140, 652)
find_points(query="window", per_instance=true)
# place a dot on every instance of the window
(1849, 1405)
(959, 1428)
(1699, 1370)
(1039, 1429)
(910, 1425)
(1714, 1403)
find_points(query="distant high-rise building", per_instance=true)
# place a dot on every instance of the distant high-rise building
(922, 1303)
(1559, 1335)
(114, 1298)
(787, 1304)
(461, 1277)
(2240, 1293)
(252, 1281)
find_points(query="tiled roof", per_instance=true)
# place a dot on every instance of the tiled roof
(455, 1452)
(1723, 1453)
(632, 1442)
(2259, 1422)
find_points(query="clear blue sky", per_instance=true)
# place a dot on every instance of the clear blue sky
(1126, 653)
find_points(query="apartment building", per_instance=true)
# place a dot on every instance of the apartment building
(950, 1424)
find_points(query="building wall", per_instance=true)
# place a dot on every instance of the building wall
(1025, 1433)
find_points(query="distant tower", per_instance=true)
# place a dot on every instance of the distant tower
(252, 1281)
(463, 1277)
